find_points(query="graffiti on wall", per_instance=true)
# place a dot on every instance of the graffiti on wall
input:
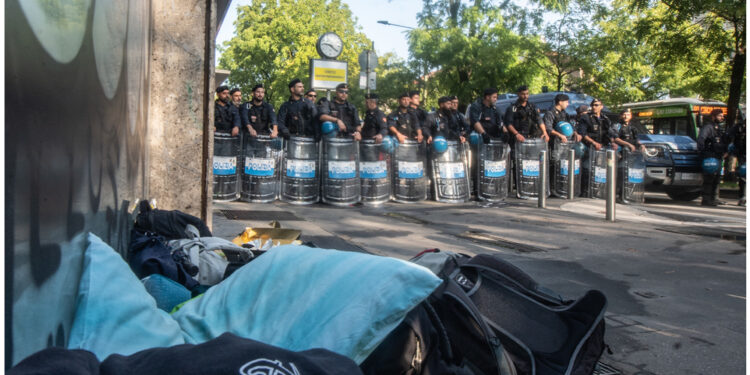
(76, 89)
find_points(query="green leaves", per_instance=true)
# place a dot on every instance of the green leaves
(275, 40)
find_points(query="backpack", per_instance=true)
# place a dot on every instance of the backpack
(169, 224)
(542, 333)
(445, 334)
(214, 257)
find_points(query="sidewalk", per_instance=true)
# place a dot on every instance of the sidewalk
(674, 273)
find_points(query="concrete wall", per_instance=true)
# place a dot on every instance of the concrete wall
(178, 150)
(105, 105)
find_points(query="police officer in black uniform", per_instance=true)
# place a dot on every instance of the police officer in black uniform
(415, 101)
(226, 115)
(375, 125)
(297, 115)
(484, 116)
(342, 113)
(403, 122)
(557, 114)
(712, 143)
(258, 115)
(523, 121)
(737, 136)
(444, 122)
(459, 116)
(595, 128)
(627, 136)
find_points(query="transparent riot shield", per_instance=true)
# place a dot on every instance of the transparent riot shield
(340, 171)
(450, 174)
(226, 151)
(632, 169)
(374, 173)
(559, 165)
(492, 174)
(527, 167)
(300, 180)
(409, 180)
(260, 176)
(597, 173)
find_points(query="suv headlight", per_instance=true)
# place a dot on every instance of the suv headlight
(658, 153)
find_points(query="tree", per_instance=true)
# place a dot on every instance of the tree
(469, 47)
(701, 33)
(275, 40)
(394, 77)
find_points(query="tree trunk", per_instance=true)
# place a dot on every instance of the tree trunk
(735, 87)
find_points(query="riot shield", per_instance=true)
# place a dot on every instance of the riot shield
(492, 174)
(374, 173)
(409, 180)
(340, 171)
(450, 174)
(632, 169)
(527, 167)
(597, 173)
(260, 176)
(226, 151)
(300, 181)
(559, 164)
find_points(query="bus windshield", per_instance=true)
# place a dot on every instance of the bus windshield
(668, 125)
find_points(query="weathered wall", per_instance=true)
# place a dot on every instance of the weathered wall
(181, 54)
(104, 106)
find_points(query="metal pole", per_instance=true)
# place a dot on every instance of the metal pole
(542, 187)
(611, 184)
(571, 173)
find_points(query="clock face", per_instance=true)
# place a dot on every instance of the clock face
(330, 45)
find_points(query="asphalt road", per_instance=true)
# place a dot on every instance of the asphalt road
(673, 272)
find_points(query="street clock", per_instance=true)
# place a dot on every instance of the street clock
(329, 45)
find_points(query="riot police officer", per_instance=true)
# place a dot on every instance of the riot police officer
(342, 113)
(522, 119)
(627, 136)
(595, 128)
(459, 116)
(297, 115)
(403, 122)
(258, 116)
(444, 122)
(557, 114)
(415, 101)
(226, 115)
(712, 143)
(375, 125)
(737, 136)
(484, 116)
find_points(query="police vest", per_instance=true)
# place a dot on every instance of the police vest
(298, 118)
(374, 121)
(598, 129)
(344, 112)
(715, 143)
(628, 134)
(222, 117)
(446, 125)
(406, 122)
(525, 120)
(259, 117)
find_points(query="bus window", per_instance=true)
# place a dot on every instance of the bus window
(681, 126)
(662, 126)
(647, 123)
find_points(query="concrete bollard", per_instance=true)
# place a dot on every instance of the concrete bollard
(611, 184)
(542, 187)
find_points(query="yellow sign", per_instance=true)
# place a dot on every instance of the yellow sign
(704, 110)
(328, 74)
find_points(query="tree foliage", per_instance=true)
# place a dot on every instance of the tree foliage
(275, 40)
(394, 77)
(468, 47)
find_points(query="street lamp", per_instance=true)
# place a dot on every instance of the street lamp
(424, 77)
(384, 22)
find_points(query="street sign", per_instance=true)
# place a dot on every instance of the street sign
(368, 60)
(365, 83)
(327, 74)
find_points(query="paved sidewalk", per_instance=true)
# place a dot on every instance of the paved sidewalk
(674, 273)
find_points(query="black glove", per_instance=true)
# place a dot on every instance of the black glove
(486, 138)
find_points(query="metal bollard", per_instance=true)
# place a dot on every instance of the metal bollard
(571, 173)
(542, 187)
(611, 184)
